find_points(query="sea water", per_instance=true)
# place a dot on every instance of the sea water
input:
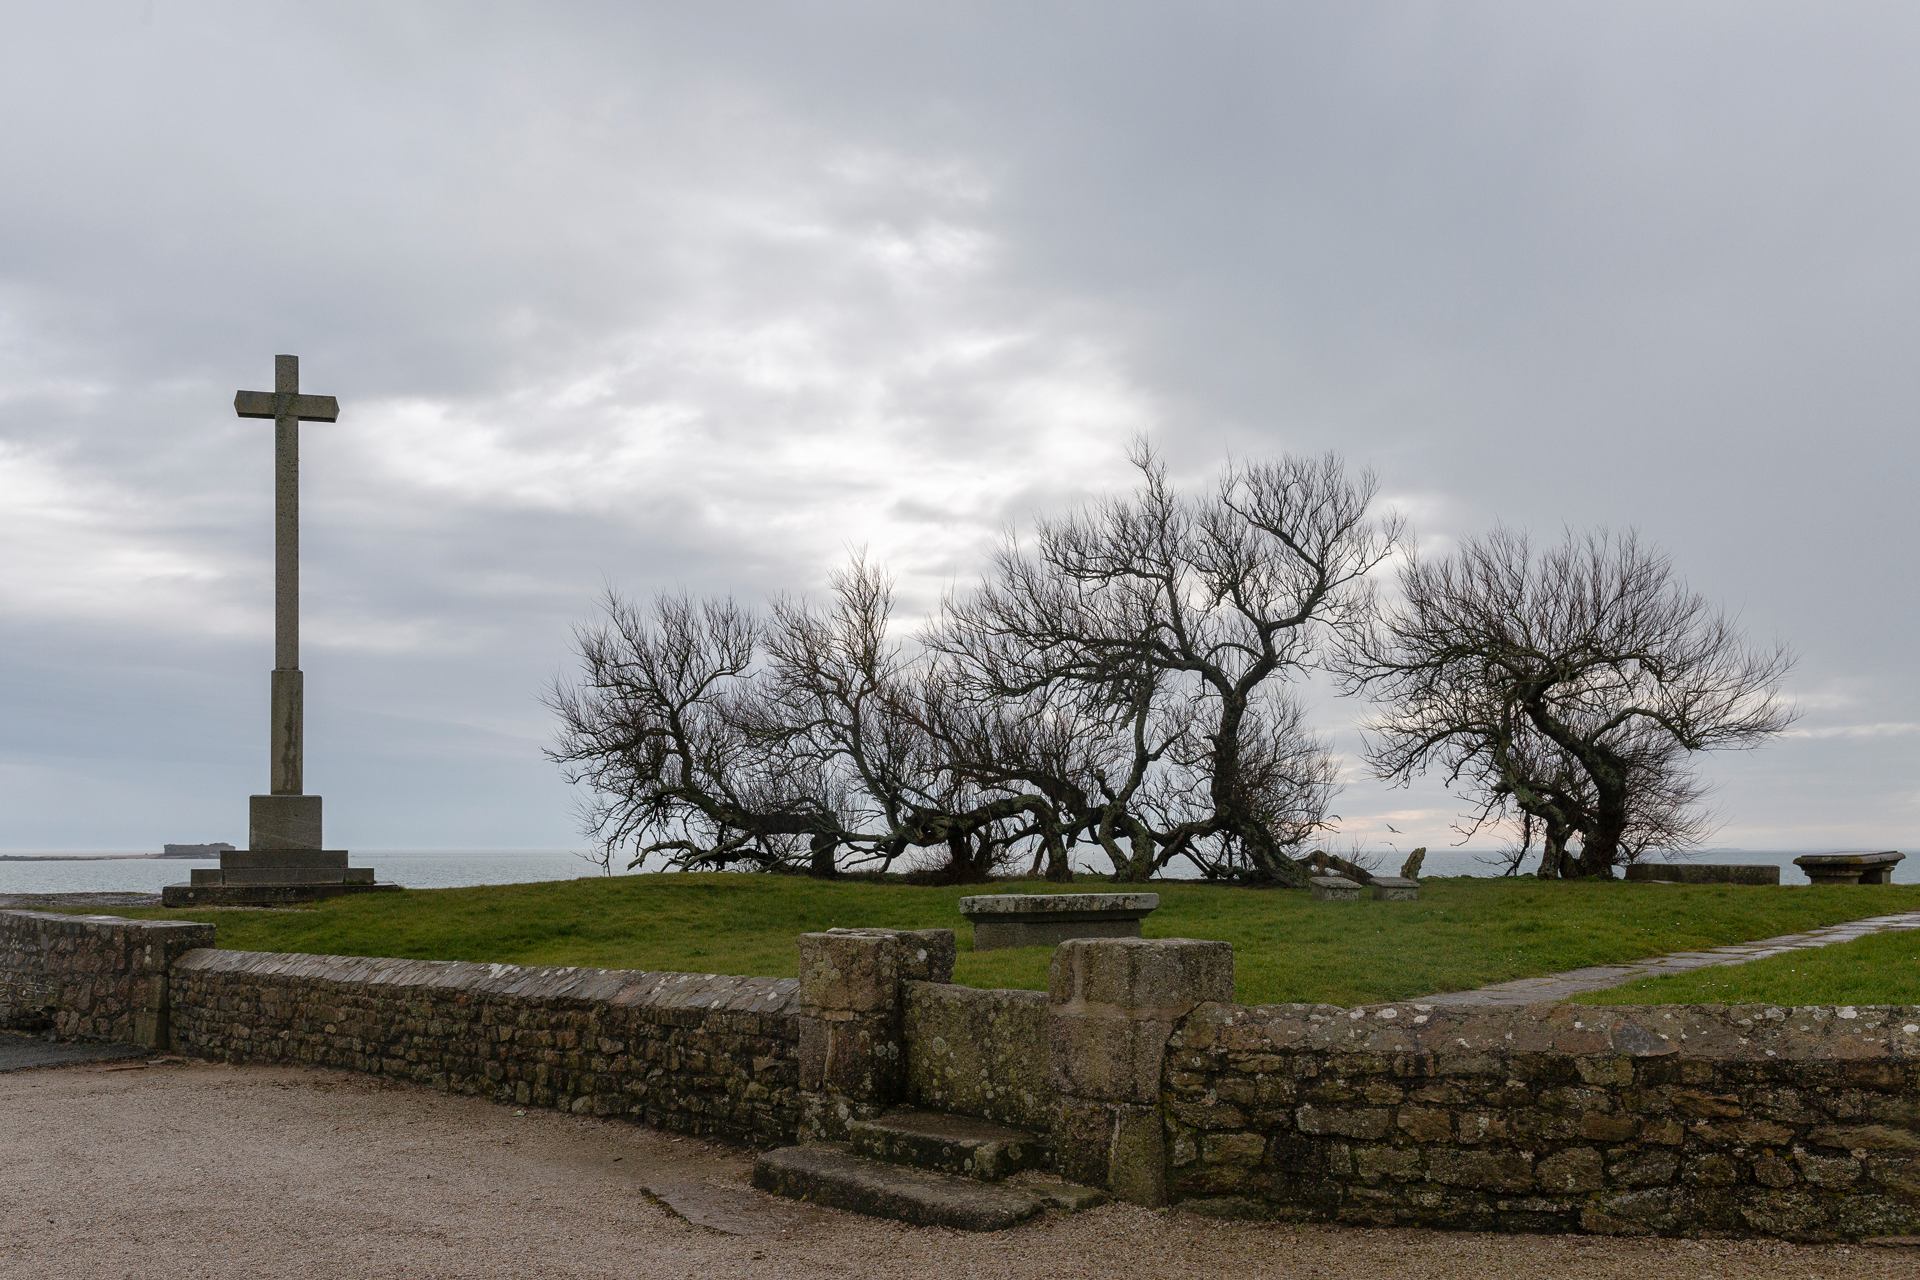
(414, 868)
(449, 868)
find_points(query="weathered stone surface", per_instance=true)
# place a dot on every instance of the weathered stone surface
(1031, 906)
(1334, 889)
(213, 891)
(694, 1053)
(1395, 889)
(833, 1175)
(963, 1145)
(927, 955)
(92, 977)
(852, 1058)
(1704, 872)
(1159, 977)
(282, 822)
(855, 1056)
(1112, 1006)
(1575, 1169)
(1045, 919)
(1849, 868)
(850, 970)
(979, 1053)
(1107, 1059)
(1801, 1122)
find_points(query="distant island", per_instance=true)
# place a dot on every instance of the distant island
(201, 851)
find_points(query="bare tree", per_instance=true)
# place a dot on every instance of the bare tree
(709, 738)
(1172, 625)
(1566, 690)
(1122, 687)
(661, 730)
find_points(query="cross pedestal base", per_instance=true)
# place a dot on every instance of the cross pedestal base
(264, 895)
(283, 822)
(275, 875)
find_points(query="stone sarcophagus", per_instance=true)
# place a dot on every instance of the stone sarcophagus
(1849, 868)
(1046, 919)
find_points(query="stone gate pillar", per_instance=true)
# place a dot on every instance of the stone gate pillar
(852, 1044)
(1112, 1006)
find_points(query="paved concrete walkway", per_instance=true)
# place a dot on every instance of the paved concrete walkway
(1559, 986)
(21, 1053)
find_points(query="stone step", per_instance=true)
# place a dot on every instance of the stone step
(834, 1175)
(946, 1143)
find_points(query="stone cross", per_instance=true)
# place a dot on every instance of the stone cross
(286, 859)
(288, 409)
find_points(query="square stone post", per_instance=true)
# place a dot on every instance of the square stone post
(852, 1048)
(1113, 1004)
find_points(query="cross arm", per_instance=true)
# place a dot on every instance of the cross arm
(269, 404)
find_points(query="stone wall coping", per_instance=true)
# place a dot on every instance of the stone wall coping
(1028, 906)
(96, 922)
(615, 987)
(1715, 1032)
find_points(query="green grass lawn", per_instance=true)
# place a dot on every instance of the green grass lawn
(1883, 968)
(1462, 933)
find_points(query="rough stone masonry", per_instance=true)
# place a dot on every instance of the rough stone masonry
(1801, 1123)
(693, 1053)
(91, 977)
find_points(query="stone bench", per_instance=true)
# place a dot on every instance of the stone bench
(1849, 868)
(1703, 873)
(1044, 919)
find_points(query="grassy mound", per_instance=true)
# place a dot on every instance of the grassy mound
(1462, 933)
(1881, 969)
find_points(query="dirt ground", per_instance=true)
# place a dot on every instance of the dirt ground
(190, 1170)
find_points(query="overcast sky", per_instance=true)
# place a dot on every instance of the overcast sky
(702, 296)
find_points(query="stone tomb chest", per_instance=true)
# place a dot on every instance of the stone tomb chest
(1334, 889)
(1044, 919)
(1849, 868)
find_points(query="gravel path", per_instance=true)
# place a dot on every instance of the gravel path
(189, 1170)
(1559, 986)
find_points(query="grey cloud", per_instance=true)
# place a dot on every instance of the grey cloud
(672, 296)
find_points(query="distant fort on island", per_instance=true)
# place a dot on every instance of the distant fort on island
(213, 850)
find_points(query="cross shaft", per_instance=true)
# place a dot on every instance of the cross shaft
(288, 409)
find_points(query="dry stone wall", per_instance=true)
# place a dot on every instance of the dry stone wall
(694, 1053)
(91, 977)
(1801, 1123)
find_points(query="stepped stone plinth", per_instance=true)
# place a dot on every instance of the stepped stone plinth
(273, 878)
